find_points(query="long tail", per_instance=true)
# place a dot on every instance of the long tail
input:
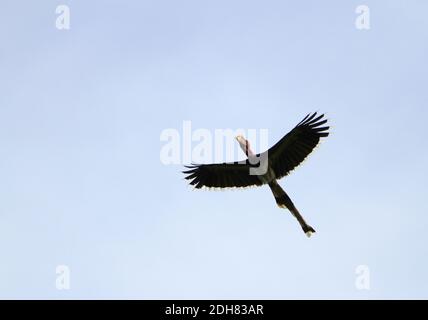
(284, 201)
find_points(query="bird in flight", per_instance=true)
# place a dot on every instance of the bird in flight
(276, 163)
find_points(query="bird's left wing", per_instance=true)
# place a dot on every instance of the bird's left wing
(222, 175)
(296, 145)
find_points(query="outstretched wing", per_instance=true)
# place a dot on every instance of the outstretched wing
(222, 175)
(296, 145)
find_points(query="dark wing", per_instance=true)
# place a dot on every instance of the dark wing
(296, 145)
(222, 175)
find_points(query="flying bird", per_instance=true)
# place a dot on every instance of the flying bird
(278, 162)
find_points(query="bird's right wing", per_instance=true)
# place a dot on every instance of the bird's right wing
(222, 175)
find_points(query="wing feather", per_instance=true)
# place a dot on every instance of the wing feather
(296, 145)
(284, 156)
(222, 175)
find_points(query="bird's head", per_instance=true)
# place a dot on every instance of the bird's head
(241, 139)
(244, 144)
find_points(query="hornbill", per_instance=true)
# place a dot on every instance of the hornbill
(279, 161)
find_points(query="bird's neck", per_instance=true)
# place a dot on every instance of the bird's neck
(247, 149)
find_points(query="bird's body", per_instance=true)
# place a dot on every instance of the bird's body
(277, 162)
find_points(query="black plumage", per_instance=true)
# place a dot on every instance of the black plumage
(283, 157)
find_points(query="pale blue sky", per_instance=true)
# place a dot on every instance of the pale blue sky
(81, 183)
